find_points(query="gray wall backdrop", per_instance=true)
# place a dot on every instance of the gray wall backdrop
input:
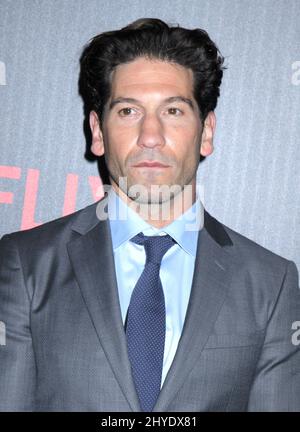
(251, 181)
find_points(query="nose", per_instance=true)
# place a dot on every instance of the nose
(151, 133)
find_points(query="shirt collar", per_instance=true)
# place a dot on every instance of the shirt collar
(125, 223)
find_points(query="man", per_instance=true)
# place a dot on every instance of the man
(157, 307)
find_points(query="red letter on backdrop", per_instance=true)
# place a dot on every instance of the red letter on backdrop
(96, 187)
(70, 194)
(29, 205)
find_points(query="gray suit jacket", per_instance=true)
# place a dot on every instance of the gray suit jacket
(65, 347)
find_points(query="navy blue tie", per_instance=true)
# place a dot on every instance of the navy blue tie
(146, 322)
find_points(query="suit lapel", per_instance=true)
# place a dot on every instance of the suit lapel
(211, 279)
(91, 255)
(92, 260)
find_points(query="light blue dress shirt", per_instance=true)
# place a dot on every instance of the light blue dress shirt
(177, 267)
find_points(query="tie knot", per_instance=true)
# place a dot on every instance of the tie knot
(155, 246)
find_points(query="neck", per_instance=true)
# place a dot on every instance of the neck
(161, 214)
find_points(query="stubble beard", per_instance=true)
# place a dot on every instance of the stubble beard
(156, 202)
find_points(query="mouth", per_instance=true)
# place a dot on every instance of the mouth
(151, 164)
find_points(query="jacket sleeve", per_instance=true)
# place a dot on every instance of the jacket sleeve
(276, 384)
(17, 363)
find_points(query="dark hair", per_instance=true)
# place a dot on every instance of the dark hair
(150, 38)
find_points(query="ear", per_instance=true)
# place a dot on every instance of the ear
(208, 134)
(97, 137)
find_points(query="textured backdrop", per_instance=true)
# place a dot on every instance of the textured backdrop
(251, 182)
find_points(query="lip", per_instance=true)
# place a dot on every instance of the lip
(151, 164)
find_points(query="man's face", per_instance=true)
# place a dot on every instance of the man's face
(151, 132)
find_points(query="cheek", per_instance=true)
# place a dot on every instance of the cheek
(185, 143)
(121, 141)
(117, 145)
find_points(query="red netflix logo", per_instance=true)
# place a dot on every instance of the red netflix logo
(31, 191)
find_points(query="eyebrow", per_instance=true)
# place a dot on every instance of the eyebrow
(136, 101)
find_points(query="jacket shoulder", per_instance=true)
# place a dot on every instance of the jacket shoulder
(246, 250)
(57, 230)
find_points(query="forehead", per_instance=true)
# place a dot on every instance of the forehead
(145, 75)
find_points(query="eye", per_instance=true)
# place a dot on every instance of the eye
(125, 112)
(174, 111)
